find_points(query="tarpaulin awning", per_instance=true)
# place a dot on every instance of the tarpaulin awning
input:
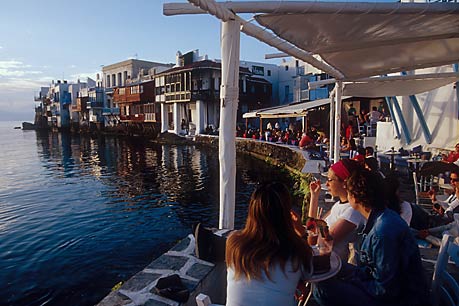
(398, 86)
(373, 42)
(286, 111)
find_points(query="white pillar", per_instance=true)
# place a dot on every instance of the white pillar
(177, 120)
(331, 137)
(339, 91)
(164, 118)
(229, 96)
(199, 119)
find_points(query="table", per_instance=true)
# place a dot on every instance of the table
(392, 157)
(322, 146)
(446, 186)
(416, 162)
(335, 266)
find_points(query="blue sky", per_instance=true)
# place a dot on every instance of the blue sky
(48, 40)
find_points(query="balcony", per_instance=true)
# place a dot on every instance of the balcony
(151, 117)
(133, 118)
(76, 108)
(111, 111)
(90, 105)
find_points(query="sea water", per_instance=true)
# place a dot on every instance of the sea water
(78, 214)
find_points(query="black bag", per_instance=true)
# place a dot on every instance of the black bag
(171, 287)
(209, 247)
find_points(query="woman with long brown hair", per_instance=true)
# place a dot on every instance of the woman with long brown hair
(266, 259)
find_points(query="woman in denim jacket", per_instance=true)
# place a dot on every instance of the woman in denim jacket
(389, 269)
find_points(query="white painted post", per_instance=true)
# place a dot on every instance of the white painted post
(229, 97)
(339, 91)
(331, 137)
(164, 118)
(199, 119)
(177, 119)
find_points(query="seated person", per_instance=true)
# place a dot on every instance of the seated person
(266, 259)
(446, 209)
(342, 219)
(374, 116)
(403, 208)
(453, 156)
(389, 269)
(306, 142)
(443, 217)
(369, 152)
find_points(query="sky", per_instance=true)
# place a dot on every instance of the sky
(49, 40)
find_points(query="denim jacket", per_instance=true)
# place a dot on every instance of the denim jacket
(389, 264)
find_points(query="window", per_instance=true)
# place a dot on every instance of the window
(125, 78)
(119, 79)
(287, 89)
(286, 68)
(108, 81)
(113, 80)
(258, 70)
(269, 72)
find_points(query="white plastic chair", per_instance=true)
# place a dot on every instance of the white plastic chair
(444, 289)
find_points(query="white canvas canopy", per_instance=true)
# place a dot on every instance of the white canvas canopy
(287, 111)
(398, 85)
(373, 42)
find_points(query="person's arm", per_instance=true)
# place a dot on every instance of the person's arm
(314, 188)
(300, 230)
(341, 229)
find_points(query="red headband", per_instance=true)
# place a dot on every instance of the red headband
(340, 170)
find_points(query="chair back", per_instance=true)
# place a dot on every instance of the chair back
(444, 289)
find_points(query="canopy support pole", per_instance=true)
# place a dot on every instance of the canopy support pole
(405, 130)
(339, 92)
(331, 137)
(456, 85)
(422, 120)
(392, 115)
(229, 96)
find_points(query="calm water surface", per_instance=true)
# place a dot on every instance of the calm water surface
(79, 214)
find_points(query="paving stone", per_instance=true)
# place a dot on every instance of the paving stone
(152, 302)
(140, 281)
(168, 262)
(199, 271)
(115, 299)
(182, 245)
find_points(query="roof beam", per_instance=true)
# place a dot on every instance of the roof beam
(300, 7)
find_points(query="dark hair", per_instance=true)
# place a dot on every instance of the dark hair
(352, 144)
(372, 163)
(366, 187)
(369, 150)
(268, 236)
(391, 186)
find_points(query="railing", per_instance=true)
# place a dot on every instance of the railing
(135, 117)
(150, 117)
(94, 105)
(111, 111)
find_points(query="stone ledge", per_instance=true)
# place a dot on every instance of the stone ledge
(195, 273)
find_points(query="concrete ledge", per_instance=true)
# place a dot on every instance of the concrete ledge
(197, 275)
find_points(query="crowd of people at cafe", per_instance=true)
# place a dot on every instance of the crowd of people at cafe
(271, 259)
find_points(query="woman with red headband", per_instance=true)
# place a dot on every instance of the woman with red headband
(342, 219)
